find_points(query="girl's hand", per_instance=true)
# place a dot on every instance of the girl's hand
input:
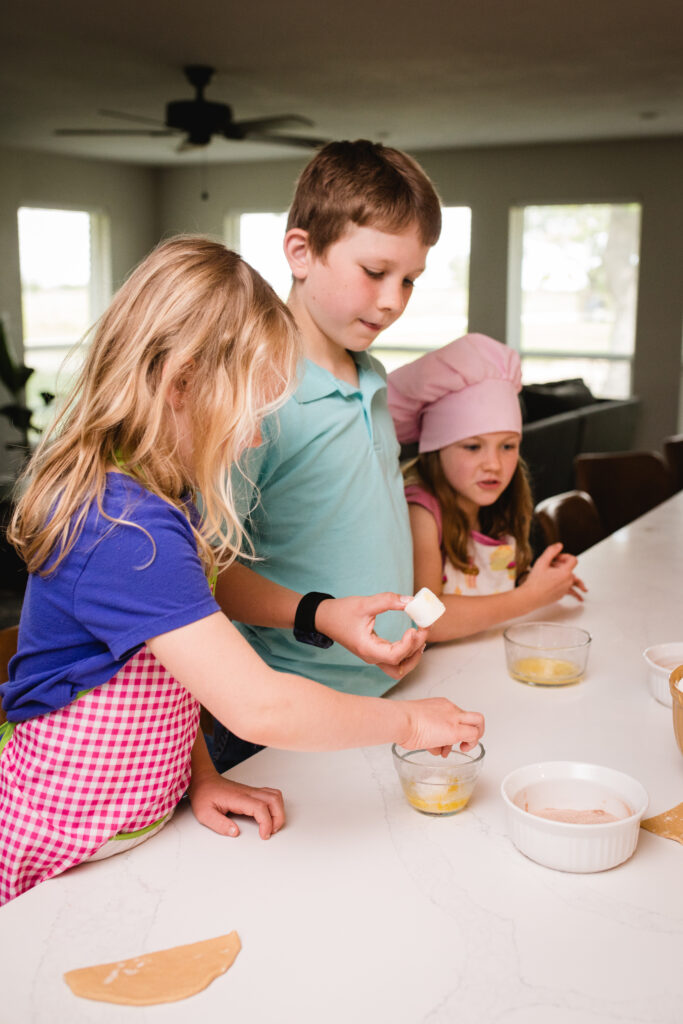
(212, 797)
(351, 622)
(436, 724)
(552, 577)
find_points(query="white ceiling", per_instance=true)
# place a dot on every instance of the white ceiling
(420, 75)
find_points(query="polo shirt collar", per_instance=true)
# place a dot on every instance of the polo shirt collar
(317, 383)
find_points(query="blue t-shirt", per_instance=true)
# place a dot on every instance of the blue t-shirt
(119, 586)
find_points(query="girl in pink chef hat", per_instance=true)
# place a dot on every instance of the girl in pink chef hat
(469, 498)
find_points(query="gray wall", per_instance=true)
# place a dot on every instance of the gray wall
(490, 181)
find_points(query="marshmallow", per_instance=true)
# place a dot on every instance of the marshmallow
(425, 608)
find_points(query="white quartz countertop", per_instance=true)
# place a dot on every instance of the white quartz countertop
(362, 909)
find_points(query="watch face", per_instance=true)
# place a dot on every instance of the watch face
(313, 638)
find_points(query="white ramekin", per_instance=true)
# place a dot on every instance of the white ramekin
(661, 660)
(578, 786)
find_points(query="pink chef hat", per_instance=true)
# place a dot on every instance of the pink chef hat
(468, 387)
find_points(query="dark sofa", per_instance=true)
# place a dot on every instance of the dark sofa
(563, 419)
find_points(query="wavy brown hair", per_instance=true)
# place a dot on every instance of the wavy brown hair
(510, 514)
(363, 183)
(192, 310)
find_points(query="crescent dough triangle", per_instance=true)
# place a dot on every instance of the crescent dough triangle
(668, 824)
(161, 977)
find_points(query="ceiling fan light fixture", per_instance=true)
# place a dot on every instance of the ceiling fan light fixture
(199, 119)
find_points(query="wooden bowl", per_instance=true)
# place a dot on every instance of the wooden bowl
(677, 698)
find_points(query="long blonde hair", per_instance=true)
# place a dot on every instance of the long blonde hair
(191, 309)
(510, 514)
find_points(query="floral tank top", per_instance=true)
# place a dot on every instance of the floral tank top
(492, 568)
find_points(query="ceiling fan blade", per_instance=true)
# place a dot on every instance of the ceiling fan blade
(131, 117)
(301, 141)
(186, 146)
(198, 120)
(258, 124)
(114, 131)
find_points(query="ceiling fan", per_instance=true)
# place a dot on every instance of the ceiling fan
(199, 120)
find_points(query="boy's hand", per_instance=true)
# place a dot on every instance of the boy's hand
(212, 797)
(350, 621)
(436, 724)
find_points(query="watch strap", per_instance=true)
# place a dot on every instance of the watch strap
(304, 620)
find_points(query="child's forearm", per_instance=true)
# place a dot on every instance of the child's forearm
(299, 714)
(465, 615)
(271, 708)
(550, 579)
(246, 596)
(217, 665)
(201, 759)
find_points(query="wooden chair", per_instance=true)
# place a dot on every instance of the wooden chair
(673, 452)
(8, 648)
(571, 518)
(624, 485)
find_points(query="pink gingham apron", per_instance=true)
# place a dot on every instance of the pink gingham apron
(114, 762)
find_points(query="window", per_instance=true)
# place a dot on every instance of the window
(437, 311)
(65, 286)
(573, 292)
(259, 241)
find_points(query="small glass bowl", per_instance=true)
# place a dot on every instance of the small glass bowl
(438, 785)
(546, 653)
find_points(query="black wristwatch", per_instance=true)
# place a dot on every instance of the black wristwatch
(304, 620)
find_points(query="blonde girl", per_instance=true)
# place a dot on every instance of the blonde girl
(469, 499)
(120, 636)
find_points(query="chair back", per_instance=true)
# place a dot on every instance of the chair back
(673, 452)
(624, 485)
(572, 519)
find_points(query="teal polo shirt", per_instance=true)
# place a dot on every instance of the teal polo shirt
(332, 515)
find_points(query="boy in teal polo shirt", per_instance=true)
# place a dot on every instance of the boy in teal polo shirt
(331, 511)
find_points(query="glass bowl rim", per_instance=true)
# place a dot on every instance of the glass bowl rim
(587, 638)
(405, 758)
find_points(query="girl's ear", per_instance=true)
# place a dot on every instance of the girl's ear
(176, 393)
(297, 252)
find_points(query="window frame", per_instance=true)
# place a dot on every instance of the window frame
(100, 282)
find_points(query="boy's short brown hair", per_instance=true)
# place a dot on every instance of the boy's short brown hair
(364, 183)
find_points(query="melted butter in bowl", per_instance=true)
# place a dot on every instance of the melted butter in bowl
(438, 785)
(546, 653)
(437, 797)
(546, 671)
